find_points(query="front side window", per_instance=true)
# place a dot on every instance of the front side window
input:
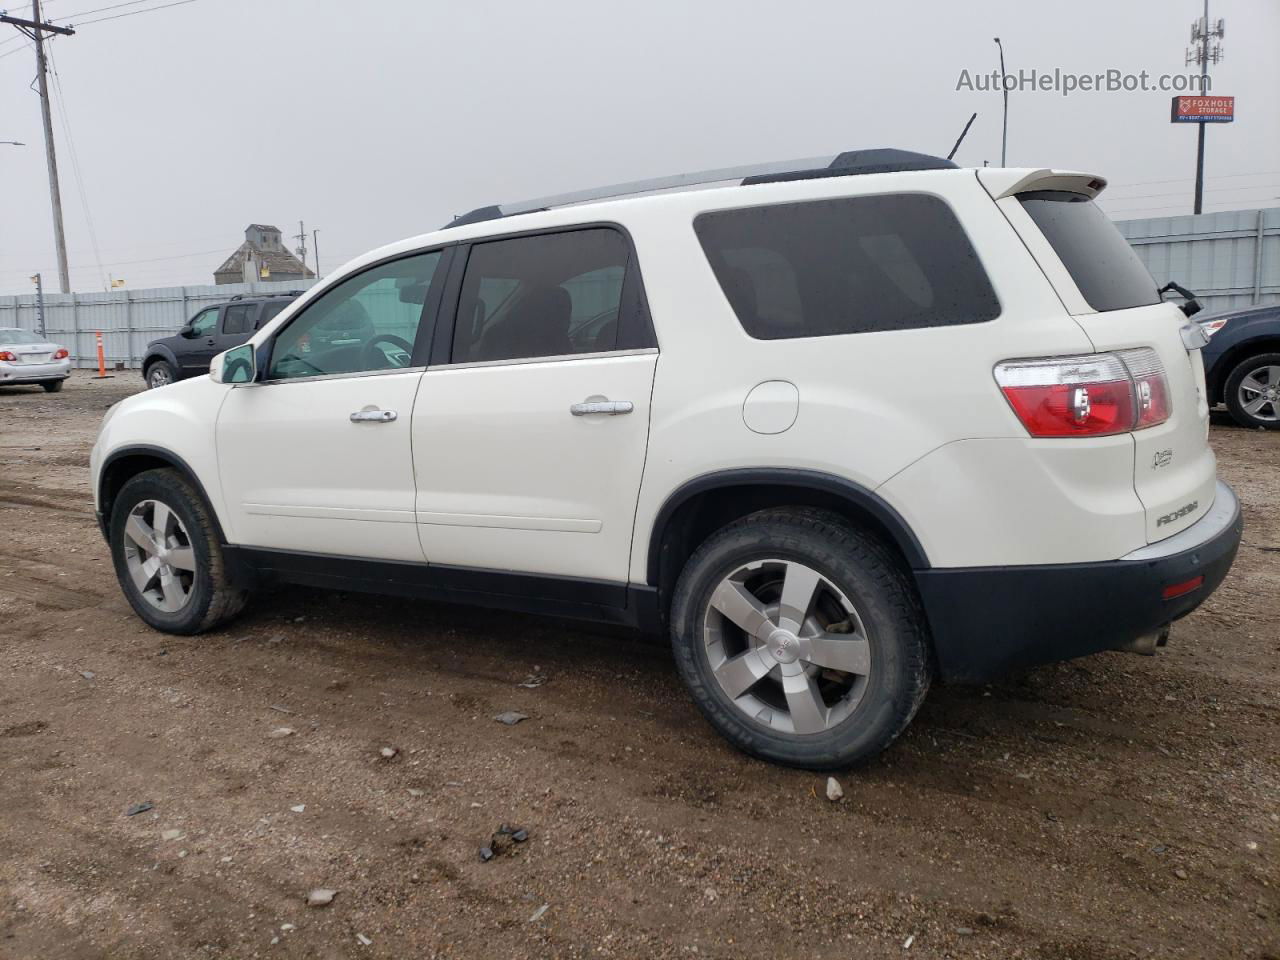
(549, 295)
(238, 318)
(204, 323)
(365, 323)
(1104, 267)
(850, 265)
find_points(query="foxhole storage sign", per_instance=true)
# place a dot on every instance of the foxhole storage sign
(1202, 110)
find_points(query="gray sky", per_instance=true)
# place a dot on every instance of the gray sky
(376, 121)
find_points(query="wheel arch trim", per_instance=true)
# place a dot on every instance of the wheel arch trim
(156, 453)
(898, 528)
(161, 353)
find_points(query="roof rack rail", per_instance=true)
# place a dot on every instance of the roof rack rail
(849, 163)
(263, 296)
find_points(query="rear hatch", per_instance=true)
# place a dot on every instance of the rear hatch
(1113, 298)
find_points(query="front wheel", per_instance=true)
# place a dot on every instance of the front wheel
(801, 639)
(168, 557)
(1252, 391)
(159, 374)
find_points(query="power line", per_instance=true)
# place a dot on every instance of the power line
(134, 13)
(1221, 176)
(1169, 212)
(1179, 193)
(85, 13)
(75, 169)
(22, 49)
(35, 28)
(124, 263)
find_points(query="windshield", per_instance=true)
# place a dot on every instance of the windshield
(16, 336)
(1103, 265)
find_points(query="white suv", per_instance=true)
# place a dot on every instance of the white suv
(837, 426)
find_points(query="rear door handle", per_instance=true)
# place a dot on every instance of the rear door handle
(611, 408)
(373, 416)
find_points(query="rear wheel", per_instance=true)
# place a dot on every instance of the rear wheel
(159, 374)
(1252, 391)
(52, 386)
(167, 555)
(800, 639)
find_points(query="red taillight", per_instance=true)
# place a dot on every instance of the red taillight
(1150, 388)
(60, 354)
(1178, 589)
(1086, 396)
(6, 355)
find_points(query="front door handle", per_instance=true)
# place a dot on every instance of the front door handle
(610, 407)
(373, 416)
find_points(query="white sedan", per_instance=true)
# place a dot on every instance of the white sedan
(27, 357)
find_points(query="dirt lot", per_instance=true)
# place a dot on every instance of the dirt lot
(1113, 807)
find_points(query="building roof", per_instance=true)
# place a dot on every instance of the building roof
(263, 227)
(277, 261)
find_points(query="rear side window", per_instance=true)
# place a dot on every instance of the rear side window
(269, 311)
(1103, 265)
(238, 318)
(548, 295)
(851, 265)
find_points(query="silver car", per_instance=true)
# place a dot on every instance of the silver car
(27, 357)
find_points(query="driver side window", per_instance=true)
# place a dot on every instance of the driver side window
(366, 323)
(203, 324)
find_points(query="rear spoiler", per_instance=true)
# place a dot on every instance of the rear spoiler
(1003, 182)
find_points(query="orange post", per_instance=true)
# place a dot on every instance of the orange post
(102, 360)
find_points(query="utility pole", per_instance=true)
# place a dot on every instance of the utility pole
(39, 282)
(315, 246)
(1004, 86)
(32, 28)
(1204, 51)
(301, 237)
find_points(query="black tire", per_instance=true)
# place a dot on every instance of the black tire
(159, 374)
(52, 386)
(212, 599)
(870, 575)
(1231, 392)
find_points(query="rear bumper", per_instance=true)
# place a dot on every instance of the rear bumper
(18, 373)
(988, 620)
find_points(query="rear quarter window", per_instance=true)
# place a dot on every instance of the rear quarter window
(1108, 273)
(849, 265)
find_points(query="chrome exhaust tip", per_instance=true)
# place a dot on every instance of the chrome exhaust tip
(1147, 644)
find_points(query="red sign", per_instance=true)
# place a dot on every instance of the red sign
(1203, 110)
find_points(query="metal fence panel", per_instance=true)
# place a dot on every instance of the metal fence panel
(127, 319)
(1230, 259)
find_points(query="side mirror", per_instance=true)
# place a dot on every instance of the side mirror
(187, 332)
(238, 365)
(1191, 307)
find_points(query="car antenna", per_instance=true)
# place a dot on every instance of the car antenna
(962, 135)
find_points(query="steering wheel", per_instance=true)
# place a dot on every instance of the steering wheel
(374, 358)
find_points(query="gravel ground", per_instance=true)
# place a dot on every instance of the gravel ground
(1113, 807)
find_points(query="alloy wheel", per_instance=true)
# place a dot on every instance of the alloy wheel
(1259, 393)
(787, 646)
(158, 556)
(159, 377)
